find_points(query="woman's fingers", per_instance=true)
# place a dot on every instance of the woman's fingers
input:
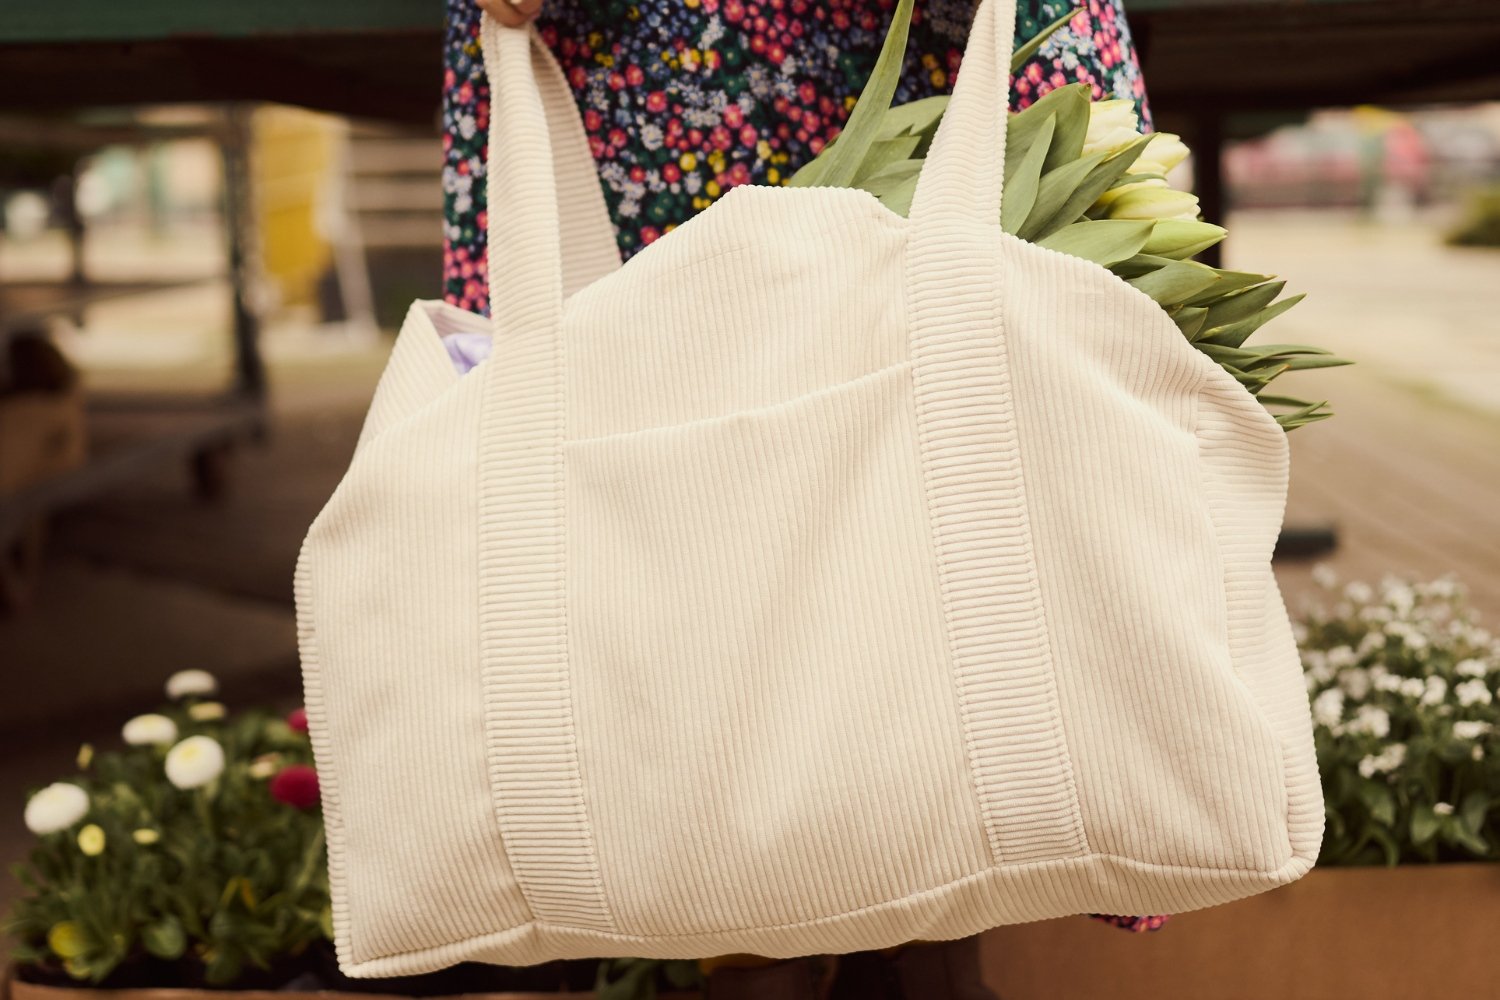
(512, 13)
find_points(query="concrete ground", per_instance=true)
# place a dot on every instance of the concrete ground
(148, 581)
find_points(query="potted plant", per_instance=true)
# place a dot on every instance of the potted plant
(192, 860)
(1405, 691)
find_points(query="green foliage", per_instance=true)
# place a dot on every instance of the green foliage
(1060, 194)
(222, 877)
(1403, 684)
(1480, 226)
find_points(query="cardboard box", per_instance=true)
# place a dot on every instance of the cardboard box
(1408, 933)
(42, 435)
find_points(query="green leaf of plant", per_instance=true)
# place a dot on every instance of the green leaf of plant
(1021, 189)
(1189, 320)
(1022, 127)
(165, 938)
(845, 156)
(1242, 304)
(885, 152)
(896, 185)
(1424, 824)
(1236, 333)
(1229, 281)
(1103, 242)
(1067, 192)
(1177, 282)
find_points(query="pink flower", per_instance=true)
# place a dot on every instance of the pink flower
(650, 234)
(733, 116)
(656, 102)
(297, 719)
(466, 93)
(296, 786)
(748, 136)
(671, 173)
(592, 120)
(634, 75)
(720, 137)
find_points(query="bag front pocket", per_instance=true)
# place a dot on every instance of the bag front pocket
(768, 729)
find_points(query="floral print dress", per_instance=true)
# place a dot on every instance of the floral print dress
(684, 99)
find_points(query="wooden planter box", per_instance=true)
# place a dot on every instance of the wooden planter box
(29, 991)
(12, 988)
(1405, 933)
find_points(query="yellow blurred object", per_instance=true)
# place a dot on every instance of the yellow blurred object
(295, 157)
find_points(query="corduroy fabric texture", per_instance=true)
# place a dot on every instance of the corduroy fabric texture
(820, 580)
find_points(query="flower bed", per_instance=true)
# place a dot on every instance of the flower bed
(193, 859)
(1403, 681)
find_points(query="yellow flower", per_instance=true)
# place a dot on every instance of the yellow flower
(713, 189)
(91, 840)
(688, 161)
(939, 78)
(66, 940)
(206, 711)
(85, 756)
(773, 176)
(605, 60)
(763, 149)
(145, 836)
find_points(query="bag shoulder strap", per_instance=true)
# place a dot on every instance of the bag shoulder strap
(965, 168)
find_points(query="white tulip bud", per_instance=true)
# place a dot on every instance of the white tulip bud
(195, 762)
(190, 684)
(1112, 125)
(1154, 203)
(56, 807)
(149, 730)
(1161, 154)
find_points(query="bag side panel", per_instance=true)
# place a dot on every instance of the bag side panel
(1176, 763)
(1245, 466)
(390, 585)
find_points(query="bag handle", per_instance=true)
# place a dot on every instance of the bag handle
(548, 228)
(965, 168)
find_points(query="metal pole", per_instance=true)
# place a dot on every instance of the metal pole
(249, 368)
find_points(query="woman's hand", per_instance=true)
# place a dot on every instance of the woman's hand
(512, 13)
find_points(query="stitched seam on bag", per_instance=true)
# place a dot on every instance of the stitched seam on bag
(1207, 457)
(1277, 875)
(756, 412)
(1064, 752)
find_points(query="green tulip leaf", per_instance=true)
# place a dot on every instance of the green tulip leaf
(1103, 242)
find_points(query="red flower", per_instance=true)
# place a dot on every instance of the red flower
(296, 786)
(297, 719)
(656, 102)
(634, 75)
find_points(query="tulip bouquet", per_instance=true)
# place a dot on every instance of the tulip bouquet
(198, 849)
(1082, 180)
(1405, 689)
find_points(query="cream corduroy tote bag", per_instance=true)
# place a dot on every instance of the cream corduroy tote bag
(820, 580)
